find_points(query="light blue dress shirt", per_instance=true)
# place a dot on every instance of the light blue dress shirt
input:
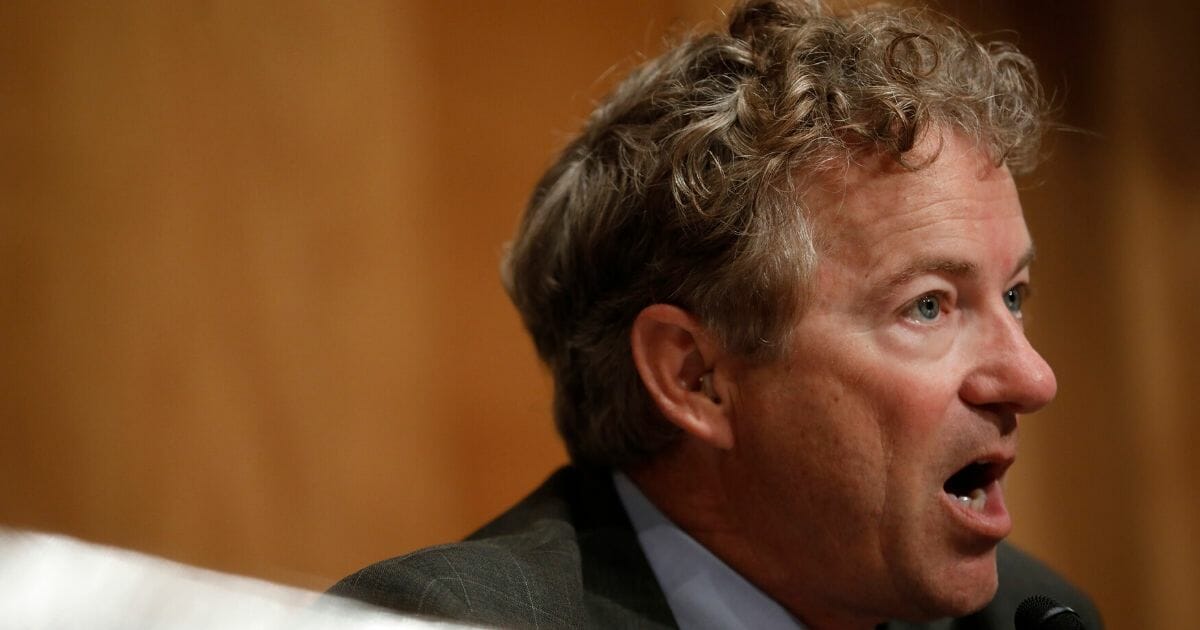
(703, 591)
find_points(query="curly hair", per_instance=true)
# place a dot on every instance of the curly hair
(686, 186)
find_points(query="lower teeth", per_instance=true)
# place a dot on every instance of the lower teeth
(976, 500)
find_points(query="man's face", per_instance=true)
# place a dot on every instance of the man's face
(867, 462)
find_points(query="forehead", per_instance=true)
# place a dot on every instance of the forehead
(876, 211)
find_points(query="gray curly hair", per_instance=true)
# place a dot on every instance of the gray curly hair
(685, 187)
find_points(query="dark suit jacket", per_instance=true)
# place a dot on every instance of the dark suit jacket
(567, 557)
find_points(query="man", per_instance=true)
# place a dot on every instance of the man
(779, 280)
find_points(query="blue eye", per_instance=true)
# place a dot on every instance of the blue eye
(926, 308)
(1014, 298)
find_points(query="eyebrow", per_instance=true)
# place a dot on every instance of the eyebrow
(945, 266)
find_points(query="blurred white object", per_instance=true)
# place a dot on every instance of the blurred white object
(50, 582)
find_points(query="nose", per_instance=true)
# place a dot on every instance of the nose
(1009, 374)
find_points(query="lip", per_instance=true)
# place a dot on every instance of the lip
(993, 523)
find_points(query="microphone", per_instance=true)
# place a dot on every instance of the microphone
(1042, 613)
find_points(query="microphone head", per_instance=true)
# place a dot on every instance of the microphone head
(1042, 613)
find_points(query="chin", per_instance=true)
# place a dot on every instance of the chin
(970, 598)
(958, 590)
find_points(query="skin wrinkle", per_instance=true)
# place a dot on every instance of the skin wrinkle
(890, 289)
(951, 267)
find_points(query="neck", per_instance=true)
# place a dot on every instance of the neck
(686, 483)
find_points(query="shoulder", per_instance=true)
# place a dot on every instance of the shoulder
(522, 569)
(564, 557)
(487, 581)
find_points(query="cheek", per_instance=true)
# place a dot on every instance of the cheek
(914, 344)
(817, 442)
(907, 392)
(845, 429)
(907, 409)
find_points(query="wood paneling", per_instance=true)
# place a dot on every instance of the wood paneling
(250, 315)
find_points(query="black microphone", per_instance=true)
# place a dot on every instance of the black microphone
(1042, 613)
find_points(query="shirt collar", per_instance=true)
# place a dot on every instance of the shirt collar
(702, 591)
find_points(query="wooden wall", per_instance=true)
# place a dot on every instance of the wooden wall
(249, 308)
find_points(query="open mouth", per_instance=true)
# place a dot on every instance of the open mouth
(970, 485)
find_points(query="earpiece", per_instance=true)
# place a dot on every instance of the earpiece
(706, 385)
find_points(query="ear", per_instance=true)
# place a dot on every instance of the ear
(677, 360)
